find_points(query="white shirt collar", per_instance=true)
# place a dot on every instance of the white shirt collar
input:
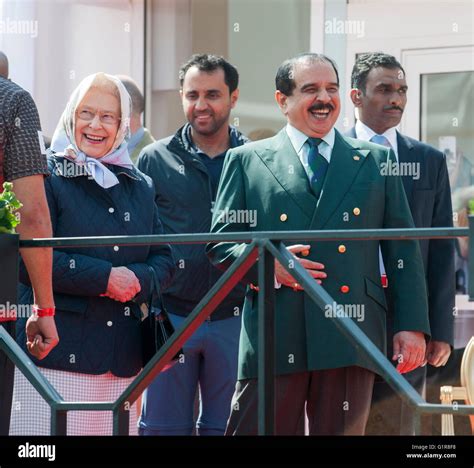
(366, 133)
(298, 138)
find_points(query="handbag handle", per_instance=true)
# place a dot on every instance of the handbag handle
(155, 290)
(159, 324)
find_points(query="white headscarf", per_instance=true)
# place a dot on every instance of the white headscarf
(64, 143)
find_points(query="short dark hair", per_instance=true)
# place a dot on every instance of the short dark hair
(284, 79)
(209, 63)
(366, 62)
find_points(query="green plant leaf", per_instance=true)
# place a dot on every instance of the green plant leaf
(9, 204)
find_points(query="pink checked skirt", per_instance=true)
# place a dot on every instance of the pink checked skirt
(31, 415)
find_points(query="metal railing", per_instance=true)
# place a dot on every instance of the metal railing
(264, 247)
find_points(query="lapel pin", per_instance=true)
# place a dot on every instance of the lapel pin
(356, 158)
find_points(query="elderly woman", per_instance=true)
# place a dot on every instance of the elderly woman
(94, 190)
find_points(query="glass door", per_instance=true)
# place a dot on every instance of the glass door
(441, 101)
(447, 122)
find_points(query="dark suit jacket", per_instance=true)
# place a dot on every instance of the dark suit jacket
(268, 177)
(429, 198)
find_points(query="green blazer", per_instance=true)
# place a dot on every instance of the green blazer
(268, 177)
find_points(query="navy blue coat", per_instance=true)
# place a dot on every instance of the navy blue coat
(98, 334)
(429, 198)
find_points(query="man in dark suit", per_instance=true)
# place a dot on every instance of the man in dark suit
(311, 177)
(380, 95)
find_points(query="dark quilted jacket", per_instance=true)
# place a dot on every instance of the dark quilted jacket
(184, 197)
(98, 334)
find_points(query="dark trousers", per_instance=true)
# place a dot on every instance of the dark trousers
(337, 403)
(6, 383)
(389, 415)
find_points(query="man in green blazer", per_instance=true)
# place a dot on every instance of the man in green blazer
(311, 177)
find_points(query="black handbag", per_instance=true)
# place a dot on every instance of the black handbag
(156, 325)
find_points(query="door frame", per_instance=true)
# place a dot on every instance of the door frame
(426, 61)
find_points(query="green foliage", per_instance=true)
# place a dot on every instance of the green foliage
(471, 206)
(8, 205)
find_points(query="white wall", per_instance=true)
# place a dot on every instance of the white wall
(18, 39)
(74, 40)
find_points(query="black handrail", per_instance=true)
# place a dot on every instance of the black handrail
(264, 247)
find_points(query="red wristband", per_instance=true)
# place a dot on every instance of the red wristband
(47, 312)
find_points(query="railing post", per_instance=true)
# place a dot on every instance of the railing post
(121, 420)
(471, 258)
(58, 422)
(416, 420)
(266, 341)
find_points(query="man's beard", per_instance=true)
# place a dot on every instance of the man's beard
(212, 127)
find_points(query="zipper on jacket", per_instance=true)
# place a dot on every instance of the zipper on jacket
(211, 209)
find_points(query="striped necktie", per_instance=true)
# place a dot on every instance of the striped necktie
(318, 165)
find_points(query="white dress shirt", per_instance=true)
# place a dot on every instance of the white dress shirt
(299, 141)
(365, 133)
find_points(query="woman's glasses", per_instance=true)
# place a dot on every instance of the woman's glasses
(105, 117)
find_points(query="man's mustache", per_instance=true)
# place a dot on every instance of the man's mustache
(393, 108)
(316, 107)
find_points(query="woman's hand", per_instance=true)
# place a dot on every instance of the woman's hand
(123, 285)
